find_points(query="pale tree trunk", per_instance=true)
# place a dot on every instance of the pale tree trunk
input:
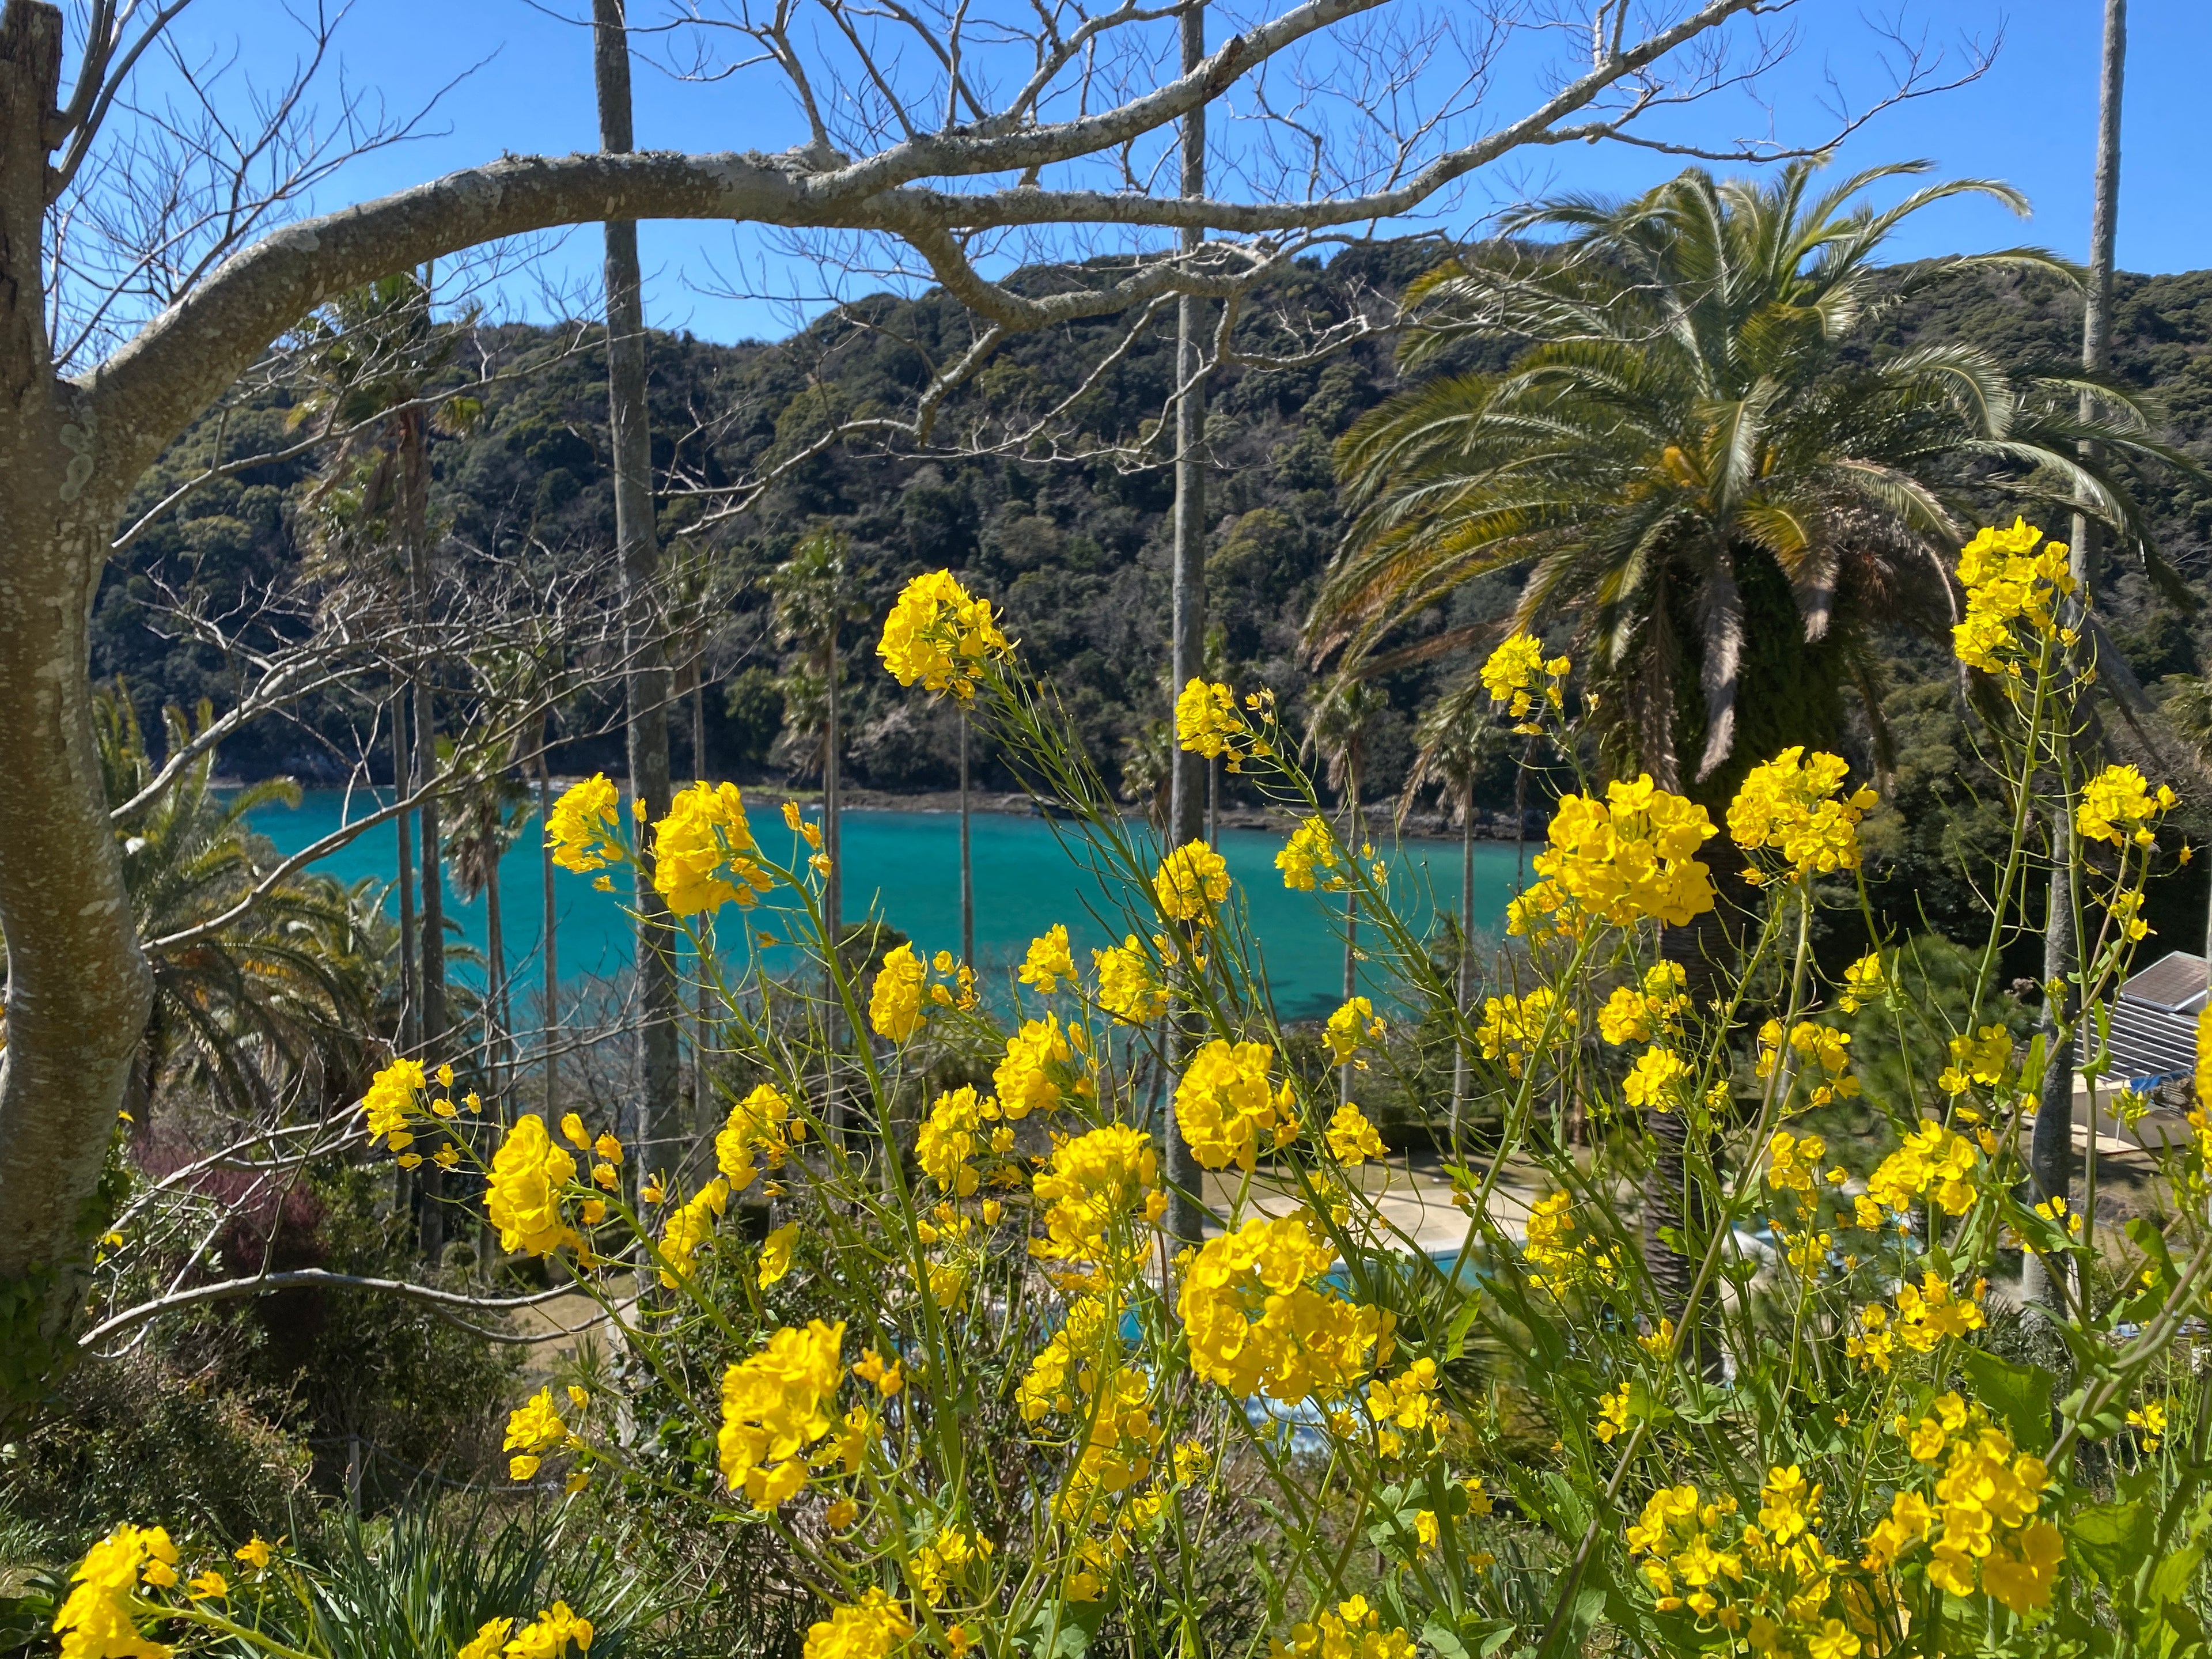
(658, 1131)
(967, 860)
(78, 987)
(414, 484)
(496, 942)
(833, 884)
(702, 1094)
(403, 783)
(1355, 838)
(552, 953)
(2050, 1149)
(1465, 986)
(1186, 618)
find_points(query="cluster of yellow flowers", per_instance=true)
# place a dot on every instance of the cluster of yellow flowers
(2118, 805)
(874, 1627)
(2011, 577)
(1310, 858)
(1209, 723)
(759, 1128)
(1982, 1520)
(585, 828)
(549, 1636)
(1935, 1162)
(1226, 1100)
(946, 1559)
(1658, 1081)
(704, 852)
(1618, 861)
(1349, 1029)
(1514, 1029)
(1405, 1409)
(1255, 1321)
(1864, 981)
(775, 1407)
(1791, 805)
(1353, 1629)
(1516, 675)
(535, 1427)
(1093, 1189)
(1039, 1072)
(1064, 1369)
(1768, 1584)
(1192, 881)
(1823, 1059)
(1794, 1162)
(1927, 1313)
(689, 1227)
(1050, 964)
(530, 1174)
(1632, 1014)
(1127, 987)
(1560, 1256)
(939, 634)
(1983, 1058)
(958, 1128)
(894, 1001)
(1352, 1139)
(95, 1618)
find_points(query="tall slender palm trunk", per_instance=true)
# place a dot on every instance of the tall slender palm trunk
(552, 1038)
(967, 859)
(2050, 1148)
(658, 1130)
(1187, 620)
(1354, 839)
(1464, 985)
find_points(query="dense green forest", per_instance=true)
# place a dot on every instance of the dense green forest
(1075, 553)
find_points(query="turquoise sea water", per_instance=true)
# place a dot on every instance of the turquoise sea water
(905, 867)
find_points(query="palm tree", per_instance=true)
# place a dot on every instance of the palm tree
(1458, 739)
(282, 994)
(816, 595)
(1703, 463)
(1341, 727)
(491, 812)
(375, 354)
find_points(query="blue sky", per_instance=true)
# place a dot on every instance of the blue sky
(2031, 121)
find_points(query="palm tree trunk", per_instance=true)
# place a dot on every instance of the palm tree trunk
(1187, 619)
(414, 518)
(1464, 989)
(703, 1103)
(403, 783)
(496, 942)
(1350, 920)
(552, 954)
(967, 861)
(833, 884)
(2050, 1149)
(658, 1131)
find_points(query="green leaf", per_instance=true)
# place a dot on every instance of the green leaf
(2019, 1394)
(1444, 1641)
(2111, 1540)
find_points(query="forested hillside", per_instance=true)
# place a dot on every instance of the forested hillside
(1075, 550)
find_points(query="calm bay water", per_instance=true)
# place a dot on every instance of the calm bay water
(905, 867)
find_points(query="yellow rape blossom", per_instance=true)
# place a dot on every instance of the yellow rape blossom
(941, 635)
(775, 1253)
(1353, 1629)
(1635, 1013)
(704, 852)
(2011, 577)
(1049, 963)
(1225, 1102)
(1655, 1083)
(755, 1128)
(532, 1430)
(1514, 676)
(1094, 1188)
(956, 1129)
(1864, 981)
(1127, 989)
(95, 1619)
(1514, 1029)
(1935, 1162)
(1351, 1137)
(1310, 858)
(895, 1003)
(1192, 881)
(689, 1225)
(1350, 1028)
(2118, 805)
(550, 1635)
(523, 1199)
(775, 1407)
(874, 1627)
(1255, 1321)
(1614, 862)
(1208, 722)
(583, 830)
(1038, 1072)
(392, 1096)
(1792, 805)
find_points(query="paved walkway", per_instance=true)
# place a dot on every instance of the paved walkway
(1412, 1192)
